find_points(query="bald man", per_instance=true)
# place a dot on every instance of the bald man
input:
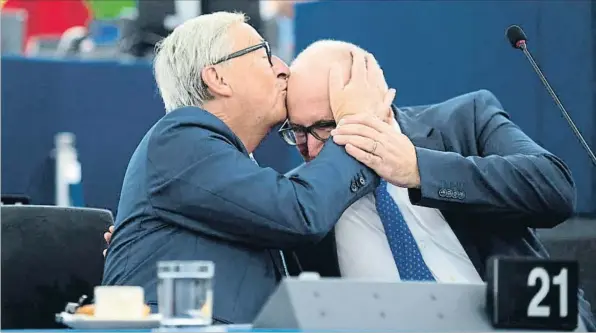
(461, 183)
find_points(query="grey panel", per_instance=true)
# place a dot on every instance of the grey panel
(336, 304)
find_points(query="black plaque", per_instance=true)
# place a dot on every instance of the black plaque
(532, 293)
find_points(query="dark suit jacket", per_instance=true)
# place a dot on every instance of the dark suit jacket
(191, 192)
(492, 183)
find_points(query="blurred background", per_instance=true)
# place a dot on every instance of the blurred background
(78, 92)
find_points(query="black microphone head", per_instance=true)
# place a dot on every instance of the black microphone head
(515, 35)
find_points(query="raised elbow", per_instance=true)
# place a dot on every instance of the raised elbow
(563, 207)
(562, 198)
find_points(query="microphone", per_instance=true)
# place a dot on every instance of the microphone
(517, 38)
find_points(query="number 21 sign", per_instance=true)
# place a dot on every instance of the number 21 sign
(531, 293)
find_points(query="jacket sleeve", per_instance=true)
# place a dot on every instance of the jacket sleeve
(512, 174)
(207, 185)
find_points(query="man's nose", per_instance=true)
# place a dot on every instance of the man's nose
(280, 67)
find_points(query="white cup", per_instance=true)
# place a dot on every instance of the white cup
(119, 302)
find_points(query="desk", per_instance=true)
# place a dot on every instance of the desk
(211, 329)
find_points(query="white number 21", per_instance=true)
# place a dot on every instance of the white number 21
(537, 310)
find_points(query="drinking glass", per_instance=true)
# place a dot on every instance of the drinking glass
(185, 292)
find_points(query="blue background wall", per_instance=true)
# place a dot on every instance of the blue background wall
(108, 106)
(430, 51)
(433, 50)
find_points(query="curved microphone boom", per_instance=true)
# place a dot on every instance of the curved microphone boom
(517, 39)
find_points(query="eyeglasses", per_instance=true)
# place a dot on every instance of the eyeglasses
(294, 134)
(263, 45)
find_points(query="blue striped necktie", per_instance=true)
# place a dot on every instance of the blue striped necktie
(407, 256)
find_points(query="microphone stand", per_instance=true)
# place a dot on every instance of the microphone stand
(524, 48)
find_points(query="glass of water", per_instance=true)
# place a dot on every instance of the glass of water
(185, 293)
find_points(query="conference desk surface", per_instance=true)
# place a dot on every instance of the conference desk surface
(197, 329)
(217, 328)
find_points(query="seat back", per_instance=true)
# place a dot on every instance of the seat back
(50, 256)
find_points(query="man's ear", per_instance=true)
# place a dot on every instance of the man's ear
(214, 80)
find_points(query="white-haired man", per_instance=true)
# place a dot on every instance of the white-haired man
(191, 191)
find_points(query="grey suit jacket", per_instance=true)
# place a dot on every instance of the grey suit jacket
(191, 192)
(492, 183)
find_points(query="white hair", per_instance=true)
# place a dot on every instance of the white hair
(182, 56)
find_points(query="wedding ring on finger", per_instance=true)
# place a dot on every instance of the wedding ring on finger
(374, 148)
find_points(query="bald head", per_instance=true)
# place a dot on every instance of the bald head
(309, 81)
(308, 86)
(316, 60)
(314, 63)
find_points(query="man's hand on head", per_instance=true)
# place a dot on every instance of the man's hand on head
(365, 92)
(379, 146)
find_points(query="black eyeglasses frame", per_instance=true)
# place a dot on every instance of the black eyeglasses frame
(287, 126)
(247, 50)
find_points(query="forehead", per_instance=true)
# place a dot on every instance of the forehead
(245, 35)
(308, 95)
